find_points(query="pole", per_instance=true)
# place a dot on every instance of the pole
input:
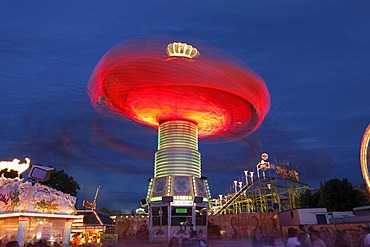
(96, 196)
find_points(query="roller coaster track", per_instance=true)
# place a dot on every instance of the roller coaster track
(233, 198)
(249, 185)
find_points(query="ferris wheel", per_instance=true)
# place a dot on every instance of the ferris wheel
(365, 157)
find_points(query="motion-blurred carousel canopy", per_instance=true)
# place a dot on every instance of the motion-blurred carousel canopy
(153, 81)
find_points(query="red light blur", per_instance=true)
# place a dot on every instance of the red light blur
(138, 80)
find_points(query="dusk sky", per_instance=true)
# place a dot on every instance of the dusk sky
(313, 55)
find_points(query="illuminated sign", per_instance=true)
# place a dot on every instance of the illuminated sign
(181, 203)
(181, 210)
(40, 173)
(88, 204)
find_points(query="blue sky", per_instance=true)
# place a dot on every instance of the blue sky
(313, 55)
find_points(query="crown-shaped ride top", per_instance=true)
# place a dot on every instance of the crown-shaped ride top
(178, 49)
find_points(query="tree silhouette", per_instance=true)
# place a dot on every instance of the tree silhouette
(340, 195)
(334, 195)
(61, 181)
(309, 199)
(110, 212)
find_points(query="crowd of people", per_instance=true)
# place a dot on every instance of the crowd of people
(322, 237)
(312, 237)
(301, 237)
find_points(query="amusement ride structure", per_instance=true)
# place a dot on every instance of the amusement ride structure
(269, 187)
(365, 157)
(185, 95)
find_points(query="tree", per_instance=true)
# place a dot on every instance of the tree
(340, 195)
(61, 181)
(110, 212)
(309, 199)
(334, 195)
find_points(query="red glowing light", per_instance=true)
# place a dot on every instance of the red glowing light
(138, 80)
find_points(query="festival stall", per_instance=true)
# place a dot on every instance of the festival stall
(32, 212)
(92, 228)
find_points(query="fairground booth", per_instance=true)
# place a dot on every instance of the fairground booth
(93, 228)
(33, 212)
(178, 204)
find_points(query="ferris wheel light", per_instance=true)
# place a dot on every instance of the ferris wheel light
(364, 156)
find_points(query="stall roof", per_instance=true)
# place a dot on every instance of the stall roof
(93, 218)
